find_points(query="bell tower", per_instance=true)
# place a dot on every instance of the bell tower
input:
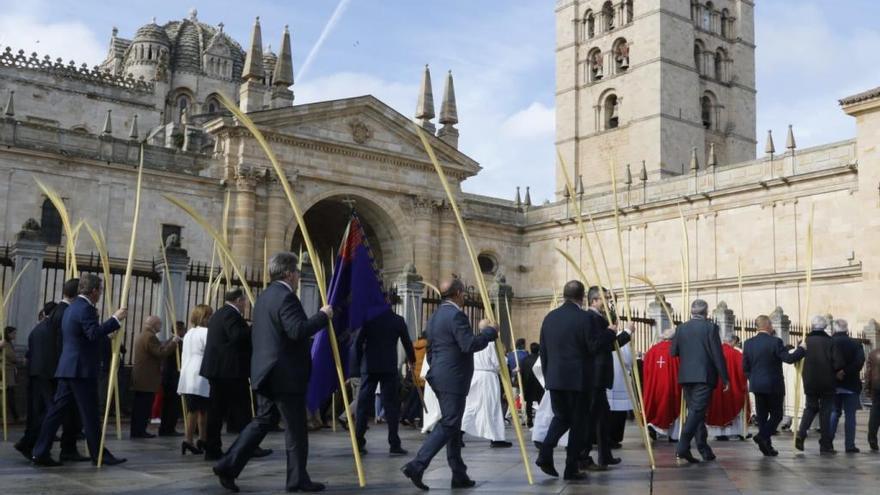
(650, 80)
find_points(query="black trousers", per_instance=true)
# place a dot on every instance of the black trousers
(446, 433)
(390, 402)
(83, 392)
(41, 392)
(569, 411)
(874, 419)
(768, 413)
(820, 404)
(617, 425)
(141, 407)
(10, 403)
(240, 413)
(296, 438)
(412, 409)
(224, 394)
(171, 408)
(597, 430)
(697, 396)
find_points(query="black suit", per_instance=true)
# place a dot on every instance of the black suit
(697, 343)
(171, 406)
(763, 356)
(376, 348)
(819, 386)
(229, 338)
(532, 389)
(280, 367)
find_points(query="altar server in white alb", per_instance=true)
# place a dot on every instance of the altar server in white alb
(483, 416)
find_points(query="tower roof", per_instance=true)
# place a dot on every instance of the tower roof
(283, 71)
(253, 62)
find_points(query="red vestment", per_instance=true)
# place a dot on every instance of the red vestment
(726, 406)
(662, 393)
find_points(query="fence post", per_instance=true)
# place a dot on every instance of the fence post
(175, 272)
(658, 314)
(501, 294)
(781, 323)
(308, 287)
(26, 300)
(409, 289)
(724, 319)
(872, 332)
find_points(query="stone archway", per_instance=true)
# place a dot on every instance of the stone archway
(328, 217)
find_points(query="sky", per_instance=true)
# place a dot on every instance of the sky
(501, 53)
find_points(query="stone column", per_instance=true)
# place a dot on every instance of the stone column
(278, 216)
(781, 323)
(423, 243)
(244, 200)
(502, 294)
(724, 318)
(448, 243)
(26, 301)
(308, 288)
(175, 273)
(658, 314)
(410, 289)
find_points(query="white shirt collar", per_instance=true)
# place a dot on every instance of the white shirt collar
(233, 307)
(282, 282)
(447, 301)
(87, 300)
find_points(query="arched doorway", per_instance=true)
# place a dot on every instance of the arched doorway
(328, 218)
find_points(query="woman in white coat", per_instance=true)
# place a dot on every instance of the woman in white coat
(618, 397)
(195, 388)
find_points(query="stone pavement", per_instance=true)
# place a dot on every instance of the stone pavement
(155, 467)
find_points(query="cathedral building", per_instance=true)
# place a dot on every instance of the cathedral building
(660, 91)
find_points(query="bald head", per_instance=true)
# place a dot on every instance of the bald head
(153, 324)
(452, 289)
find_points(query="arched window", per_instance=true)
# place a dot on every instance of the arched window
(50, 223)
(608, 16)
(706, 21)
(611, 108)
(595, 62)
(707, 111)
(695, 10)
(725, 20)
(629, 11)
(181, 108)
(212, 105)
(590, 21)
(698, 57)
(720, 57)
(621, 55)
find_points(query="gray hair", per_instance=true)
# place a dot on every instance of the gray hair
(281, 264)
(699, 307)
(818, 322)
(89, 282)
(840, 326)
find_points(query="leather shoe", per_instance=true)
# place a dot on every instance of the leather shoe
(612, 461)
(261, 452)
(398, 450)
(596, 467)
(226, 480)
(500, 444)
(73, 456)
(762, 444)
(799, 443)
(827, 451)
(687, 456)
(574, 476)
(854, 450)
(547, 467)
(874, 446)
(144, 435)
(23, 450)
(309, 487)
(170, 434)
(45, 461)
(463, 483)
(707, 455)
(414, 476)
(109, 459)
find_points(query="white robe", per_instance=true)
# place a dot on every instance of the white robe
(544, 412)
(483, 416)
(431, 415)
(618, 396)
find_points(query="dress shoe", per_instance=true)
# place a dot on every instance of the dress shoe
(596, 467)
(143, 435)
(73, 456)
(853, 450)
(799, 443)
(261, 452)
(707, 455)
(310, 487)
(226, 480)
(414, 476)
(687, 456)
(23, 450)
(46, 461)
(109, 459)
(762, 444)
(500, 444)
(616, 445)
(547, 467)
(827, 451)
(611, 462)
(722, 438)
(462, 483)
(772, 452)
(170, 434)
(398, 450)
(574, 476)
(874, 446)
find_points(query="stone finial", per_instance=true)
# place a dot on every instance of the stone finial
(108, 124)
(30, 231)
(133, 132)
(790, 143)
(253, 62)
(580, 185)
(10, 105)
(695, 161)
(528, 200)
(193, 14)
(220, 26)
(643, 173)
(628, 176)
(425, 107)
(517, 200)
(283, 73)
(448, 109)
(713, 161)
(769, 148)
(500, 278)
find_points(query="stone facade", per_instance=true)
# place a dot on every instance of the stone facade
(358, 151)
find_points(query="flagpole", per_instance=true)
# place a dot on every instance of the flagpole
(172, 321)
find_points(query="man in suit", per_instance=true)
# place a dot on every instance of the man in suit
(602, 379)
(376, 348)
(697, 343)
(280, 369)
(229, 337)
(763, 356)
(819, 385)
(145, 374)
(848, 358)
(77, 371)
(44, 349)
(451, 348)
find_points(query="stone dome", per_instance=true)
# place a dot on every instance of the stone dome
(189, 40)
(151, 33)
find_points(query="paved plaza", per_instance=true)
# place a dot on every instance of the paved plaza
(155, 467)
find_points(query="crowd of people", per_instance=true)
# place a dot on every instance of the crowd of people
(221, 369)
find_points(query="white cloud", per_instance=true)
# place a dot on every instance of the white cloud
(537, 121)
(70, 40)
(400, 96)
